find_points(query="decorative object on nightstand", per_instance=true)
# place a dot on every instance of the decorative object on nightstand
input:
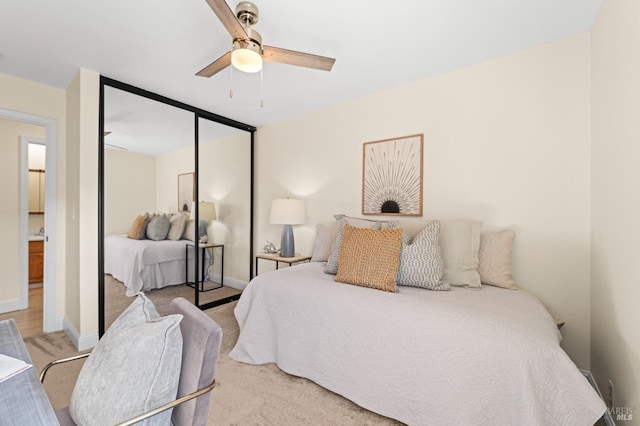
(287, 212)
(207, 213)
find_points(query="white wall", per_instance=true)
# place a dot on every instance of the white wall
(505, 141)
(615, 314)
(129, 189)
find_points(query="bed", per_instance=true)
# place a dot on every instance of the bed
(144, 265)
(459, 357)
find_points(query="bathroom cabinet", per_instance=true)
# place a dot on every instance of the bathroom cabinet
(36, 261)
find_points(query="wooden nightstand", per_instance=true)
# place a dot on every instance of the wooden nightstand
(274, 257)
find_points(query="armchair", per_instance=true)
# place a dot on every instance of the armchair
(201, 338)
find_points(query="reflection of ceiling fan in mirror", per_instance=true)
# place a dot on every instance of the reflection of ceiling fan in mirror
(248, 52)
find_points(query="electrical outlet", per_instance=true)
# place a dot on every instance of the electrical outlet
(611, 394)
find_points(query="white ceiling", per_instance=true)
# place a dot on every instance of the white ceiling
(160, 45)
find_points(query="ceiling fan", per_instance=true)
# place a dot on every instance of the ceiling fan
(248, 52)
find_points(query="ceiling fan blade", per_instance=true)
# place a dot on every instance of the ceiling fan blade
(292, 57)
(216, 66)
(228, 19)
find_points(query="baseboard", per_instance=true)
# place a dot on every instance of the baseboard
(12, 305)
(230, 282)
(81, 342)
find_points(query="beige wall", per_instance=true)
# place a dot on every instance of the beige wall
(225, 178)
(615, 313)
(38, 99)
(82, 209)
(129, 189)
(10, 133)
(505, 141)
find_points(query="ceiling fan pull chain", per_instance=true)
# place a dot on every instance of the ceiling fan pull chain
(261, 89)
(231, 84)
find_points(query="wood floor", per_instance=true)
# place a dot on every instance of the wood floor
(29, 320)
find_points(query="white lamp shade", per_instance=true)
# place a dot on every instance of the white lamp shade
(207, 210)
(285, 211)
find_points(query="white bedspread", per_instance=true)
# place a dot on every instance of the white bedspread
(143, 265)
(488, 357)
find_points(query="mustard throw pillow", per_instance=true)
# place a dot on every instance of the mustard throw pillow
(138, 228)
(370, 257)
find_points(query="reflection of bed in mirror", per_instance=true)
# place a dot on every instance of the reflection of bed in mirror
(143, 265)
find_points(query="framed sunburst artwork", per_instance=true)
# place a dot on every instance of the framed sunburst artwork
(392, 176)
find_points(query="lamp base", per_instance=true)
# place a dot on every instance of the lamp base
(287, 246)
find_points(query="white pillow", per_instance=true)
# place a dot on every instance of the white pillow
(134, 368)
(413, 227)
(190, 230)
(495, 265)
(460, 242)
(325, 234)
(178, 222)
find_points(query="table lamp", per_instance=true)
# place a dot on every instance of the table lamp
(207, 213)
(287, 212)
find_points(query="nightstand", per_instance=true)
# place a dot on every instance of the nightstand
(200, 280)
(274, 257)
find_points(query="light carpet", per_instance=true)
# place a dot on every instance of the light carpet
(244, 395)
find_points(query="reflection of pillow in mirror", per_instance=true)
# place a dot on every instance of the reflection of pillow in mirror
(138, 228)
(190, 230)
(158, 227)
(178, 222)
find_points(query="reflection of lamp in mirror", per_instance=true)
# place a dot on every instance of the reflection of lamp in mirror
(207, 213)
(287, 212)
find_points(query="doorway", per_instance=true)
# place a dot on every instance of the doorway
(10, 302)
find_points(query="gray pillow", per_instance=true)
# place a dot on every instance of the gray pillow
(158, 227)
(421, 262)
(178, 222)
(134, 368)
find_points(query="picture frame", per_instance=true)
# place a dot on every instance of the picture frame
(392, 172)
(186, 192)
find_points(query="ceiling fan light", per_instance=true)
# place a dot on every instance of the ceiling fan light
(246, 60)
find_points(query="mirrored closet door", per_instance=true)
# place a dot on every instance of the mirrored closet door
(175, 202)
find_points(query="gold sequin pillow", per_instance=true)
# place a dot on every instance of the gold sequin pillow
(370, 257)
